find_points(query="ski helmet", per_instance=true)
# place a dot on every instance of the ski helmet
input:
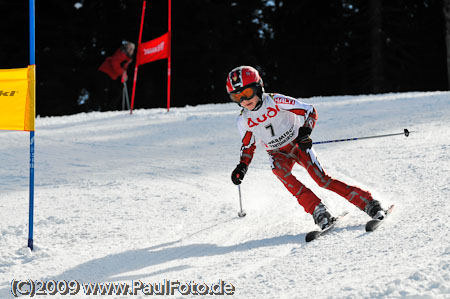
(241, 81)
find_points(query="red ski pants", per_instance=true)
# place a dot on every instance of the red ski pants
(284, 159)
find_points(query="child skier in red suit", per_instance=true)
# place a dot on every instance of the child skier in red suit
(108, 86)
(283, 125)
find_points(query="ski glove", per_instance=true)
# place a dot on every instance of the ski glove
(303, 140)
(238, 173)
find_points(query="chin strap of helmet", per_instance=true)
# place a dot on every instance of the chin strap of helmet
(258, 105)
(259, 90)
(259, 93)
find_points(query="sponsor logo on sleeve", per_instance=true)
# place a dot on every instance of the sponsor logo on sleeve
(282, 100)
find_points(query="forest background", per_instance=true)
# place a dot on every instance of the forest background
(302, 48)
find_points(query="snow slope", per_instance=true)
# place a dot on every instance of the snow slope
(148, 198)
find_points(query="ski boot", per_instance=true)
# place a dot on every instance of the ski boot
(374, 210)
(322, 217)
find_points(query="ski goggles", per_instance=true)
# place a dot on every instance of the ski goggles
(243, 95)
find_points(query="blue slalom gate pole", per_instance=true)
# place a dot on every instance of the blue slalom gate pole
(405, 132)
(32, 30)
(31, 209)
(32, 62)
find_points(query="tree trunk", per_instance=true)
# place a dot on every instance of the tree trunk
(446, 8)
(375, 11)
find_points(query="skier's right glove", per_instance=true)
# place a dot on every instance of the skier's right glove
(238, 173)
(303, 140)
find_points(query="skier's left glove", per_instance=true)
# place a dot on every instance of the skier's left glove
(303, 140)
(124, 77)
(238, 173)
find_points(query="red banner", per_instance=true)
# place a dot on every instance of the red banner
(158, 48)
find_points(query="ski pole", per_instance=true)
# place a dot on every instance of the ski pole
(405, 132)
(241, 213)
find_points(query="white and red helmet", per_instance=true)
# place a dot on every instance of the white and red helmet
(242, 77)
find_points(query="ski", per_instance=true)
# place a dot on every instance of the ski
(375, 223)
(312, 235)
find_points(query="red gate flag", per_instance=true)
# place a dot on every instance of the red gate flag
(158, 48)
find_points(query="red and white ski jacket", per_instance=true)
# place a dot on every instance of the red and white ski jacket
(275, 124)
(116, 65)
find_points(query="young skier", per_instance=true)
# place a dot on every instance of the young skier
(284, 125)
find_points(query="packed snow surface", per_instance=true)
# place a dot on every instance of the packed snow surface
(148, 198)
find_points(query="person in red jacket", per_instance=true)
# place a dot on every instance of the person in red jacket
(283, 125)
(108, 86)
